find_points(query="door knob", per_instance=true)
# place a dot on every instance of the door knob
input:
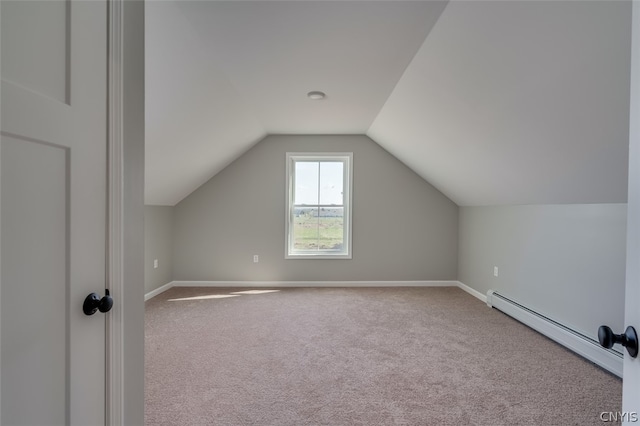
(93, 303)
(629, 339)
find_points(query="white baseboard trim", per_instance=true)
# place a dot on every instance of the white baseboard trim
(472, 292)
(582, 345)
(158, 290)
(314, 283)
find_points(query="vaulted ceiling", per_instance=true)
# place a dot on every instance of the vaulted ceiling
(505, 102)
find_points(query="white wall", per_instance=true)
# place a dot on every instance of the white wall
(158, 242)
(403, 228)
(564, 261)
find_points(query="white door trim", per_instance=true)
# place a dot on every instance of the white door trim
(114, 392)
(631, 368)
(0, 258)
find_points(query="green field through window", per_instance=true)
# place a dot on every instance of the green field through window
(313, 232)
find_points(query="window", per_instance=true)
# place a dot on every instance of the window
(319, 205)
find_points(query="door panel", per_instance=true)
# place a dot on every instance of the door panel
(34, 260)
(31, 56)
(52, 211)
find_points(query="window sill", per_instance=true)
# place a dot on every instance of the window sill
(319, 256)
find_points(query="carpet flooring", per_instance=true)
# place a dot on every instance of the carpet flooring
(358, 356)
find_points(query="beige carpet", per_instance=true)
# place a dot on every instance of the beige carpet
(359, 356)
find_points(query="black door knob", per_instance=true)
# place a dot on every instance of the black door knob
(629, 339)
(93, 303)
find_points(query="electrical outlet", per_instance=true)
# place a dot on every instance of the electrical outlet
(495, 271)
(155, 263)
(256, 258)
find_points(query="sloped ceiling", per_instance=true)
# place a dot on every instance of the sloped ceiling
(506, 102)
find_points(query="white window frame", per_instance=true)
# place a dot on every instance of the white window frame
(347, 159)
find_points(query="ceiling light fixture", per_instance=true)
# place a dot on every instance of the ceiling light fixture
(316, 95)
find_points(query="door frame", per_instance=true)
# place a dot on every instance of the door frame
(114, 336)
(124, 393)
(631, 368)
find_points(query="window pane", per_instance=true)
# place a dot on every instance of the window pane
(331, 228)
(318, 205)
(306, 181)
(331, 182)
(305, 228)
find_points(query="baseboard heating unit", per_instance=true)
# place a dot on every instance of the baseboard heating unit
(610, 360)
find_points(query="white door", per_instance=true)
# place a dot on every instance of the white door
(52, 211)
(631, 372)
